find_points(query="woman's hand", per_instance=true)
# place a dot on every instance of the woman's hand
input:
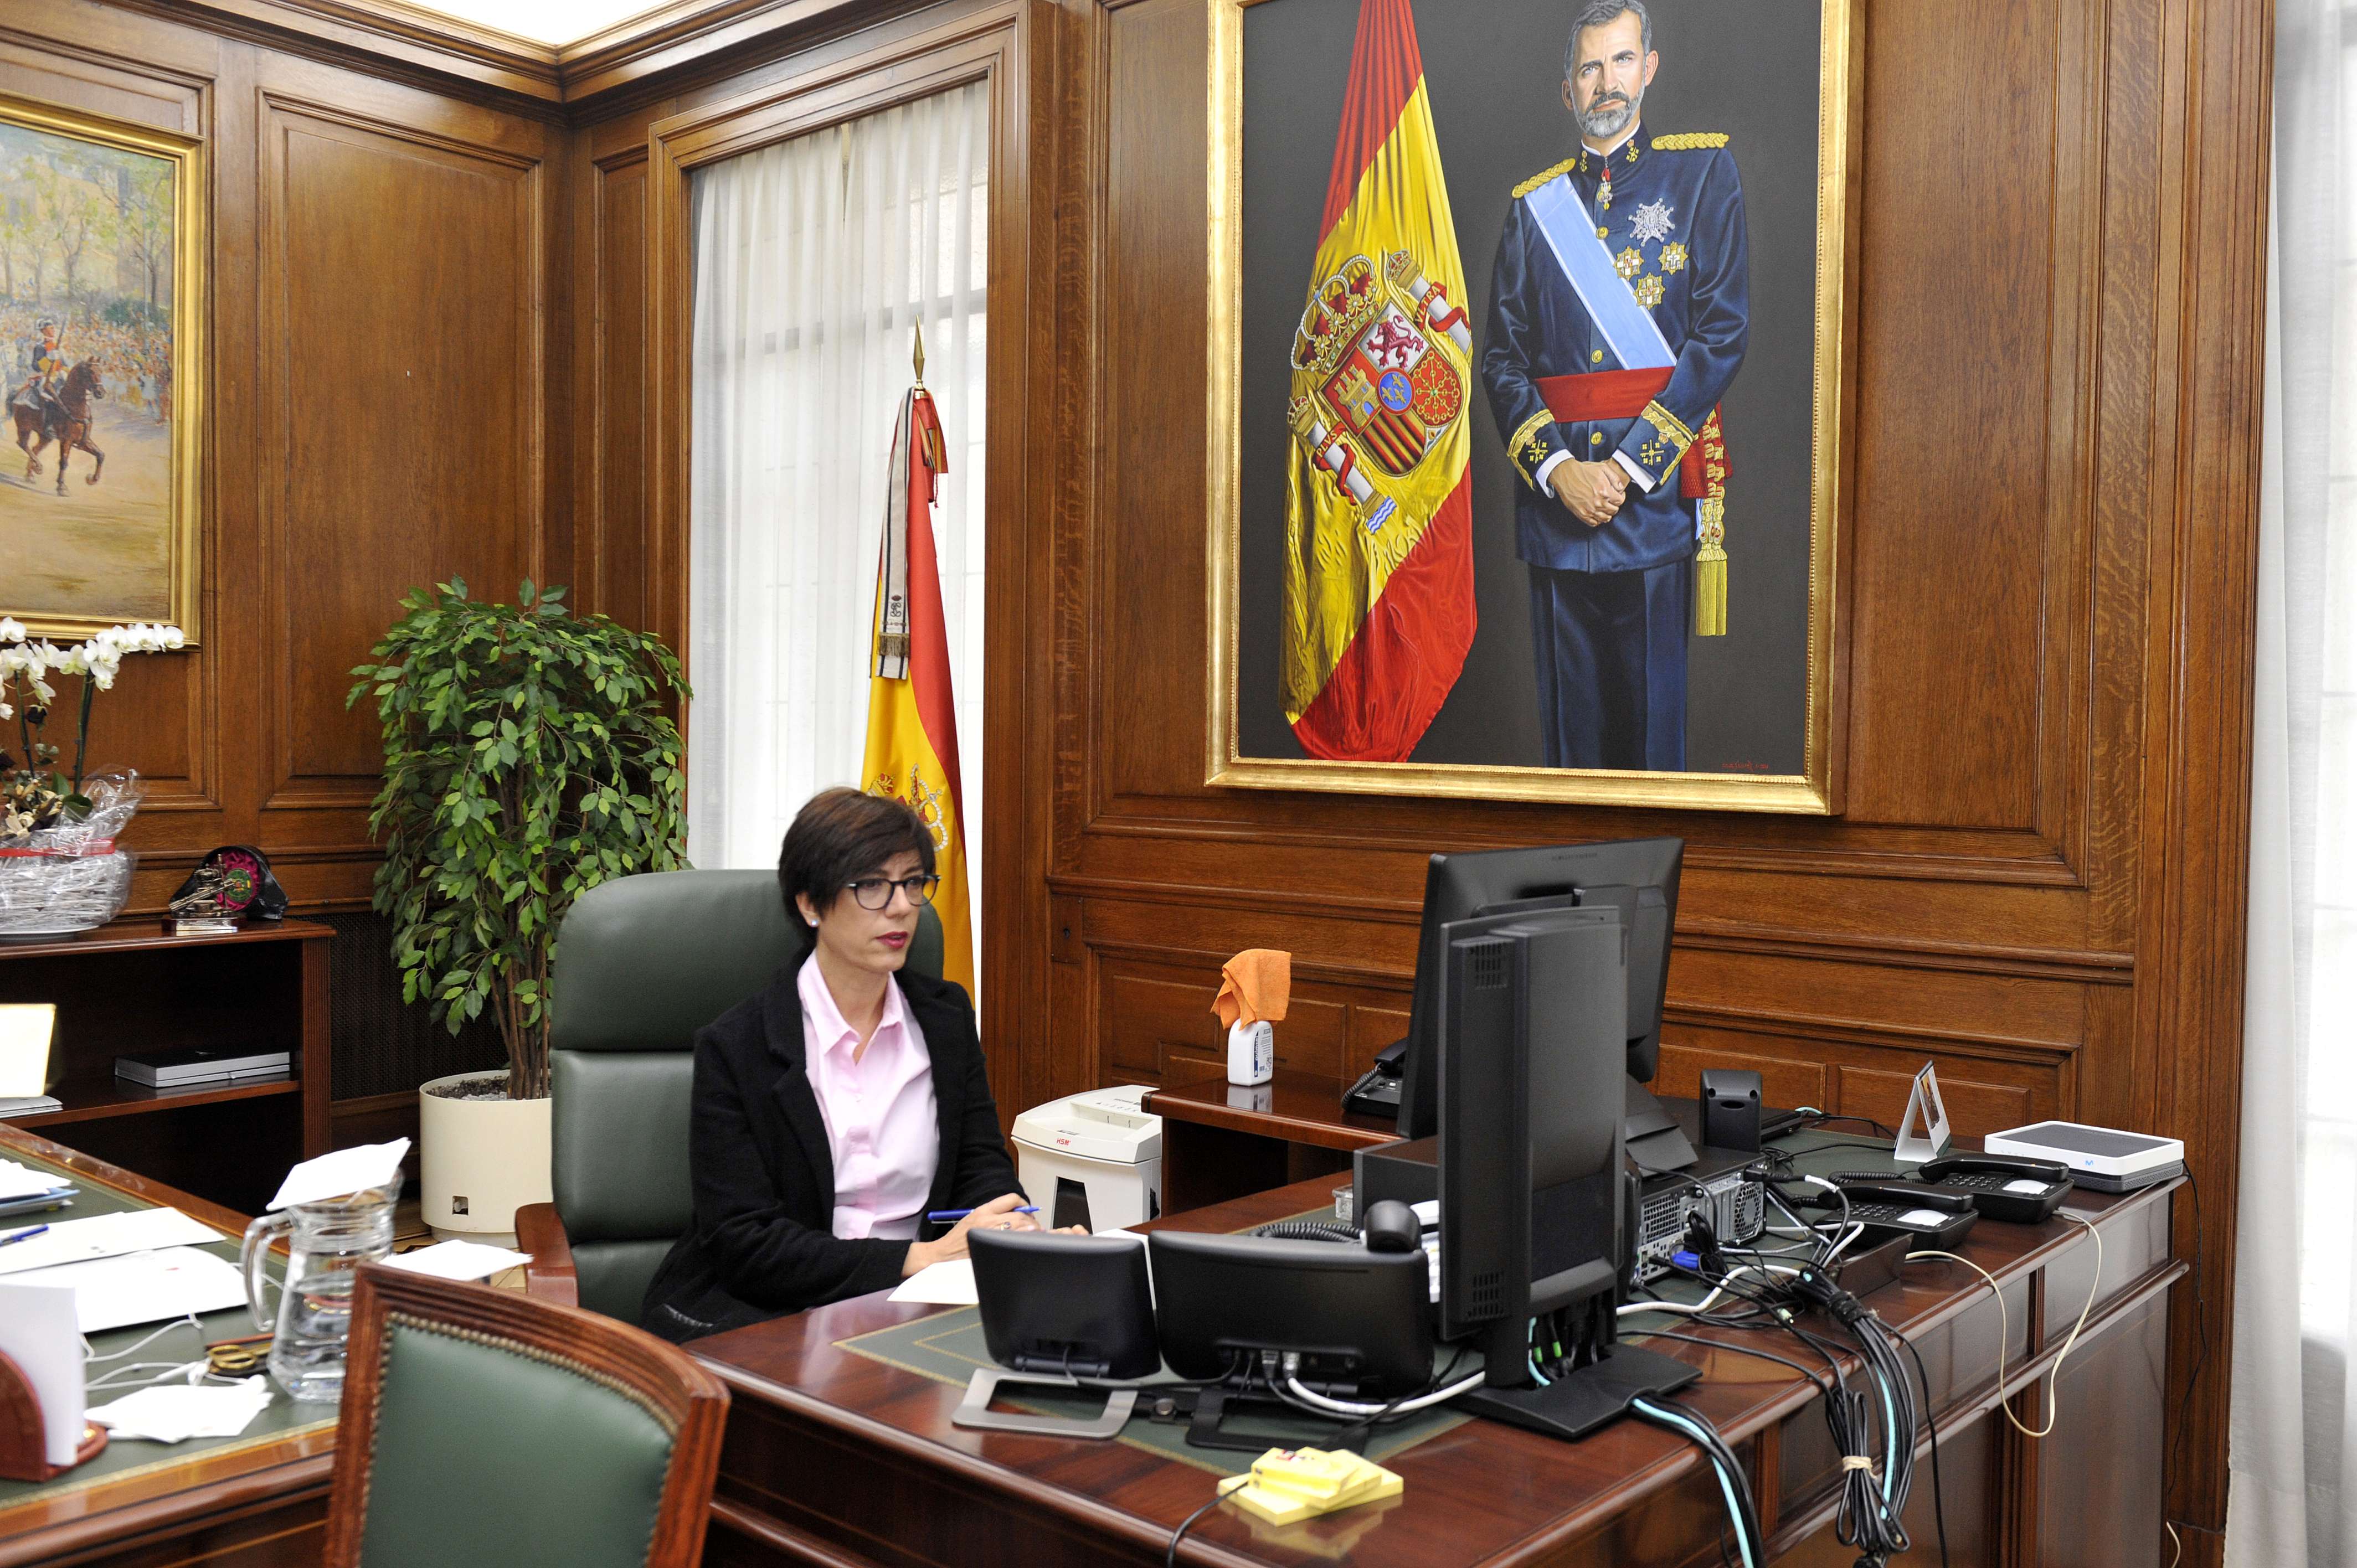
(998, 1214)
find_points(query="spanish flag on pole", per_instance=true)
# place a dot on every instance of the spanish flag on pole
(1378, 509)
(912, 750)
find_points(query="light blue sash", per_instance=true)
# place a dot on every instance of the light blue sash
(1570, 233)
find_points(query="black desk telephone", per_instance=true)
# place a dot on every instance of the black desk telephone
(2001, 1186)
(1378, 1093)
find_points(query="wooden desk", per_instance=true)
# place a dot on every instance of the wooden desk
(239, 1504)
(1221, 1142)
(837, 1460)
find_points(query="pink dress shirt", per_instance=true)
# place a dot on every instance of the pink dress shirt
(881, 1124)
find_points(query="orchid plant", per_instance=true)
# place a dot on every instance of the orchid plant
(33, 793)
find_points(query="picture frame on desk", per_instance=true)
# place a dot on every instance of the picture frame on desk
(1390, 603)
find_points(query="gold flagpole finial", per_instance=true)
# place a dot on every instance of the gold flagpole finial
(918, 358)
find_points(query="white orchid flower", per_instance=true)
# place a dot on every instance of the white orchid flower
(103, 677)
(11, 631)
(174, 637)
(44, 691)
(7, 713)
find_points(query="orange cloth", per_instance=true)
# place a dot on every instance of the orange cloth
(1254, 984)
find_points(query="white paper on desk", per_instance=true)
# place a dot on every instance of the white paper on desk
(24, 1031)
(941, 1284)
(459, 1261)
(356, 1169)
(37, 1332)
(24, 1181)
(173, 1413)
(144, 1287)
(101, 1236)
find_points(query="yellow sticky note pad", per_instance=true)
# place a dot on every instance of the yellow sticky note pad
(1287, 1486)
(24, 1031)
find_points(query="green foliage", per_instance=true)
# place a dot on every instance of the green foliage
(529, 755)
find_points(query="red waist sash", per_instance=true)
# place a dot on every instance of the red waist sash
(1623, 394)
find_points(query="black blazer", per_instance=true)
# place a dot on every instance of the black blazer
(762, 1242)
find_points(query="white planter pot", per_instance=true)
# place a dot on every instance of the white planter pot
(480, 1160)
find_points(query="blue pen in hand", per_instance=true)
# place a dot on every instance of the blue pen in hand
(24, 1235)
(950, 1216)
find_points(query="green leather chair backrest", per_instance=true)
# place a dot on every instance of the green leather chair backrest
(484, 1454)
(643, 963)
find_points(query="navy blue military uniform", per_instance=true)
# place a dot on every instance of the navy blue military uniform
(1610, 606)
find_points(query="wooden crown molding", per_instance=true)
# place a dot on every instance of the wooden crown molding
(407, 41)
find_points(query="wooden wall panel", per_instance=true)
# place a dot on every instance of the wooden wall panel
(414, 368)
(2037, 881)
(380, 271)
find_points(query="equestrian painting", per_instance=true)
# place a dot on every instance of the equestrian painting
(97, 296)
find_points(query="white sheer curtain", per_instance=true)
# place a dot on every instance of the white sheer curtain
(814, 259)
(2292, 1495)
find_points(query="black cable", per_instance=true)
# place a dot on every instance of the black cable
(1672, 1417)
(1809, 1372)
(1939, 1500)
(1820, 1118)
(1171, 1558)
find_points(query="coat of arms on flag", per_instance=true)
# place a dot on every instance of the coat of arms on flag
(1379, 565)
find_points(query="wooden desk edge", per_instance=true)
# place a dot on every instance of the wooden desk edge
(124, 1509)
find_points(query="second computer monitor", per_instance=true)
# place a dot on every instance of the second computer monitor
(1637, 877)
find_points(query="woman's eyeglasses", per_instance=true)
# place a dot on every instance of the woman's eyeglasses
(876, 892)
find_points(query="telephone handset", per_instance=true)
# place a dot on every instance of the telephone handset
(2005, 1187)
(1377, 1093)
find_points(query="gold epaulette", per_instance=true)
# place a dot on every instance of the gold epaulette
(1686, 141)
(1538, 180)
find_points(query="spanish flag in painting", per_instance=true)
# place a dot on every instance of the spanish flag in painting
(912, 749)
(1378, 508)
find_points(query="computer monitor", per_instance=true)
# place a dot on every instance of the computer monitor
(1360, 1319)
(1079, 1305)
(1533, 1023)
(1639, 877)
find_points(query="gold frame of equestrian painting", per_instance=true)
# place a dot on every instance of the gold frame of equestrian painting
(1530, 347)
(103, 248)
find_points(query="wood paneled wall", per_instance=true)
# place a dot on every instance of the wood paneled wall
(431, 314)
(2038, 879)
(381, 274)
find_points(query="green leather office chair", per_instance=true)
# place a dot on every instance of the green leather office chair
(643, 963)
(483, 1429)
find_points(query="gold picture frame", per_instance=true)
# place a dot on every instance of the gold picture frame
(165, 389)
(1817, 788)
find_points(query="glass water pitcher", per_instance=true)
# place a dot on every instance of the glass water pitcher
(326, 1243)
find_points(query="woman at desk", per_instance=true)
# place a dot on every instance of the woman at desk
(834, 1110)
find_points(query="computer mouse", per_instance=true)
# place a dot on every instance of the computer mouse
(1391, 1226)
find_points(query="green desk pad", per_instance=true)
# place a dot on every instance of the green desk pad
(947, 1345)
(135, 1456)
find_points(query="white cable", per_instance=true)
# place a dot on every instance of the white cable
(1349, 1407)
(1716, 1292)
(2005, 1330)
(187, 1320)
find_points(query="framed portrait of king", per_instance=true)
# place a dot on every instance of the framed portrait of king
(102, 254)
(1529, 329)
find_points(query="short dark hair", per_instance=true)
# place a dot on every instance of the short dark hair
(1596, 14)
(840, 834)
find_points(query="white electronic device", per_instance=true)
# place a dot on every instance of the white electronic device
(1093, 1159)
(2103, 1158)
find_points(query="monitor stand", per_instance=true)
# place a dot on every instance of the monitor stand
(1578, 1403)
(1654, 1137)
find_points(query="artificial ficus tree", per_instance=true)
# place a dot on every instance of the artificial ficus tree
(529, 754)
